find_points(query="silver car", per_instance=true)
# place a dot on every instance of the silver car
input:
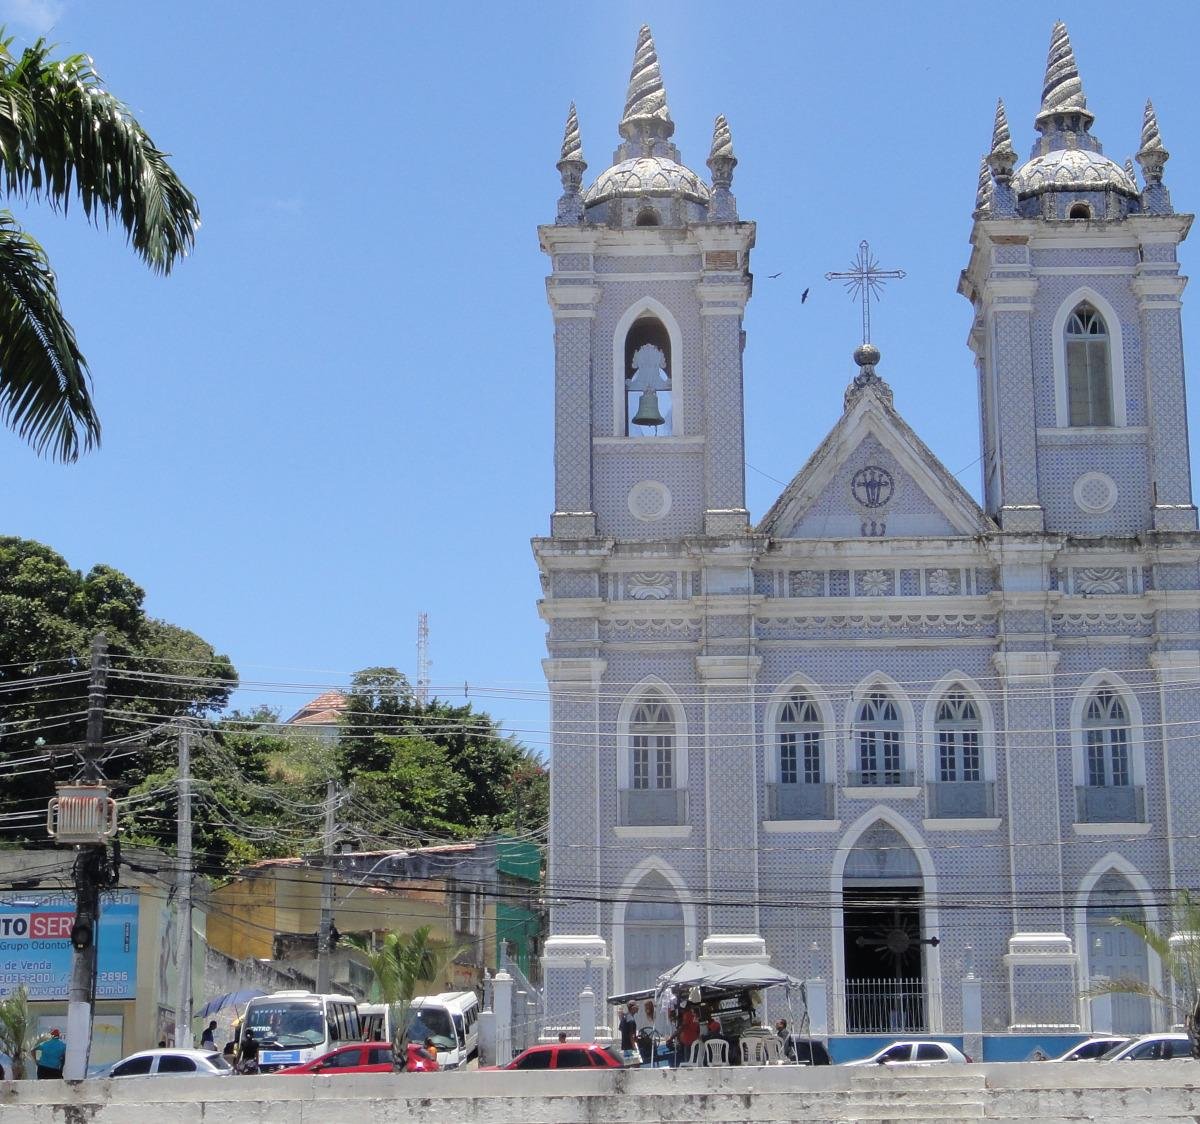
(920, 1051)
(1151, 1047)
(171, 1063)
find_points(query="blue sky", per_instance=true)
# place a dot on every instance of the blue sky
(337, 412)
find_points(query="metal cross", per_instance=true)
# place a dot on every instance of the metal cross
(863, 280)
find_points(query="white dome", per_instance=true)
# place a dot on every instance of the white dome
(646, 175)
(1071, 169)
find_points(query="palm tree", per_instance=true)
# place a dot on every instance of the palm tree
(17, 1032)
(63, 136)
(400, 963)
(1178, 948)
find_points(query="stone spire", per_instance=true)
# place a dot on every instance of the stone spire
(722, 206)
(1152, 155)
(1002, 157)
(571, 166)
(983, 193)
(646, 124)
(1062, 89)
(1130, 170)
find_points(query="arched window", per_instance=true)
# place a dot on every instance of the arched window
(648, 405)
(652, 746)
(1106, 740)
(957, 728)
(877, 739)
(799, 742)
(1089, 371)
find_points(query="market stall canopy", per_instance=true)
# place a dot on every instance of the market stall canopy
(229, 999)
(713, 978)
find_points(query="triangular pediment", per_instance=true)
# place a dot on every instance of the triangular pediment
(873, 477)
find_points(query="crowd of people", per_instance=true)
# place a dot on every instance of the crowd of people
(666, 1033)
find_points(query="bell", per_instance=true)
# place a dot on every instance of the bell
(647, 411)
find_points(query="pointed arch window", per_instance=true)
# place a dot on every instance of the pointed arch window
(652, 744)
(1089, 368)
(648, 387)
(1106, 740)
(878, 741)
(957, 729)
(800, 730)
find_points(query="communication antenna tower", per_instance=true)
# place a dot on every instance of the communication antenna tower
(423, 658)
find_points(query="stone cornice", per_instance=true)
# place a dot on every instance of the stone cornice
(574, 672)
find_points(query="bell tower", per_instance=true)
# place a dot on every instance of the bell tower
(649, 280)
(1076, 289)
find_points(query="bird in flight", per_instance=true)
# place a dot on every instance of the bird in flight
(772, 276)
(804, 296)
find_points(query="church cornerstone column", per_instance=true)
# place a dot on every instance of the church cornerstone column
(1178, 674)
(730, 811)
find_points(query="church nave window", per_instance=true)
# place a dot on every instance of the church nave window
(648, 397)
(957, 727)
(652, 744)
(1089, 372)
(878, 742)
(1106, 738)
(799, 742)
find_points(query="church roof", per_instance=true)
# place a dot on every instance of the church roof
(869, 414)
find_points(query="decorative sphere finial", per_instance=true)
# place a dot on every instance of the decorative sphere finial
(866, 355)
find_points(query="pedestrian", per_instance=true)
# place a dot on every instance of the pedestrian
(562, 1037)
(50, 1053)
(248, 1052)
(627, 1026)
(209, 1037)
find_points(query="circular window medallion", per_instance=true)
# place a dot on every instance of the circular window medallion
(649, 501)
(1095, 493)
(872, 486)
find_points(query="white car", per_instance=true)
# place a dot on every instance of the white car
(1091, 1048)
(171, 1063)
(918, 1051)
(1151, 1047)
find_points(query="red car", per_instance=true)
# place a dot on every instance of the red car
(567, 1055)
(358, 1057)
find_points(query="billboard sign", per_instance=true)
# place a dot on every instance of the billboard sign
(35, 943)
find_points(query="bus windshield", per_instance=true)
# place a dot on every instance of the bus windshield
(287, 1022)
(431, 1022)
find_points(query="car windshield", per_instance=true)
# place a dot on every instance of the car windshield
(217, 1061)
(1113, 1052)
(431, 1022)
(288, 1022)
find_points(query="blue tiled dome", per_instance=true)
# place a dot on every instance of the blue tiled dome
(1071, 169)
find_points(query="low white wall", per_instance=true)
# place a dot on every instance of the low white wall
(1152, 1091)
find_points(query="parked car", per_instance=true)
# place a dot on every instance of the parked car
(1092, 1048)
(358, 1057)
(917, 1052)
(567, 1055)
(1151, 1047)
(170, 1063)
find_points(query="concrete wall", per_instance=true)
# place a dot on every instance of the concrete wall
(1161, 1092)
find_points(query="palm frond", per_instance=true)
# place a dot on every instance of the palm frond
(44, 385)
(62, 133)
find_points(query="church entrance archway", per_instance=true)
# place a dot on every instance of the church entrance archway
(654, 931)
(882, 931)
(1116, 953)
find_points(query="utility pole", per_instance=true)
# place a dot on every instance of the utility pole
(422, 691)
(326, 930)
(90, 871)
(183, 956)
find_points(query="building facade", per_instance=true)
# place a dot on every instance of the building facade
(887, 737)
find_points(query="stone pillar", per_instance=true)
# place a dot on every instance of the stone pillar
(817, 991)
(723, 292)
(730, 812)
(487, 1037)
(1016, 425)
(1158, 288)
(587, 1015)
(972, 1016)
(1041, 960)
(503, 990)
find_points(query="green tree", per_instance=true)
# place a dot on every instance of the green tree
(64, 137)
(401, 963)
(1178, 948)
(18, 1033)
(48, 616)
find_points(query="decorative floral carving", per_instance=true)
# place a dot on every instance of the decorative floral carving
(941, 582)
(875, 583)
(808, 583)
(650, 586)
(1100, 579)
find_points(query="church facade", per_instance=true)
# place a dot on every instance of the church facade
(886, 737)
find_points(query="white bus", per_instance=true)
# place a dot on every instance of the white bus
(293, 1027)
(450, 1020)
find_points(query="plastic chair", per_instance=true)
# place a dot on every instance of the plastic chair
(774, 1051)
(716, 1052)
(753, 1051)
(693, 1058)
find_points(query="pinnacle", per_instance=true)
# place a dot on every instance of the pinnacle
(572, 144)
(1062, 89)
(646, 99)
(1001, 137)
(722, 140)
(1151, 139)
(983, 194)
